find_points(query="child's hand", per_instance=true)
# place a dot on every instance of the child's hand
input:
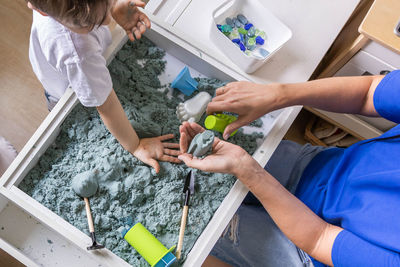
(128, 16)
(152, 149)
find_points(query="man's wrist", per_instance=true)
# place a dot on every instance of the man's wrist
(283, 95)
(247, 170)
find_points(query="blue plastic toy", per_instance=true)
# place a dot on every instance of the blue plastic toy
(184, 82)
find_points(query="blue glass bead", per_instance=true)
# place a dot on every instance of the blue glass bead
(242, 19)
(219, 26)
(241, 37)
(251, 47)
(264, 53)
(236, 41)
(248, 26)
(234, 22)
(229, 21)
(260, 40)
(242, 47)
(251, 32)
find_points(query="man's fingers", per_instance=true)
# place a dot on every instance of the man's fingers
(170, 159)
(217, 107)
(222, 90)
(190, 131)
(219, 98)
(196, 127)
(232, 127)
(183, 142)
(172, 152)
(165, 137)
(190, 161)
(170, 145)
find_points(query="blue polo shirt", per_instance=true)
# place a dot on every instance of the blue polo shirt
(358, 189)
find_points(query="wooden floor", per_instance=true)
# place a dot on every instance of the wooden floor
(22, 103)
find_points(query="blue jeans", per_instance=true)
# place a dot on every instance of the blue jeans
(252, 238)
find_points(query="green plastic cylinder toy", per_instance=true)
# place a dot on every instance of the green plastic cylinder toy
(155, 253)
(218, 122)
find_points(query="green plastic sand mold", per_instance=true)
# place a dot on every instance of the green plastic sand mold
(152, 250)
(218, 122)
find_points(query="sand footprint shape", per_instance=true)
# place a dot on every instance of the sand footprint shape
(192, 109)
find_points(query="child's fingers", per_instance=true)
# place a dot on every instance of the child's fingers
(170, 159)
(136, 33)
(139, 3)
(171, 152)
(141, 27)
(165, 137)
(171, 145)
(130, 36)
(153, 163)
(145, 20)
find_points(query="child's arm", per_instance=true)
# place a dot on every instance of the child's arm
(148, 150)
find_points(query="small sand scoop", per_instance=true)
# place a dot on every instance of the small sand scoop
(85, 185)
(188, 190)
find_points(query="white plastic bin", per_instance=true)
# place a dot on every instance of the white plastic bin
(277, 33)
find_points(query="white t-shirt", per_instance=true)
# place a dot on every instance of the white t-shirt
(61, 58)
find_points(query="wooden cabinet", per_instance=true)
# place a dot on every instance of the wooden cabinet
(366, 46)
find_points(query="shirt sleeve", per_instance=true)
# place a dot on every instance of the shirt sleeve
(350, 250)
(387, 97)
(90, 79)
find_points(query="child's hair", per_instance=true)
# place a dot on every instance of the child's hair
(77, 13)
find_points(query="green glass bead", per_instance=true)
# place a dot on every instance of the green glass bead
(234, 34)
(226, 28)
(260, 33)
(242, 31)
(251, 41)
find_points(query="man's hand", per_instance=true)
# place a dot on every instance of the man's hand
(130, 18)
(225, 157)
(249, 100)
(152, 149)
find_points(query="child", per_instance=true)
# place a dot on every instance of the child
(67, 40)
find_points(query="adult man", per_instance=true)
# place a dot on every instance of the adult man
(341, 206)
